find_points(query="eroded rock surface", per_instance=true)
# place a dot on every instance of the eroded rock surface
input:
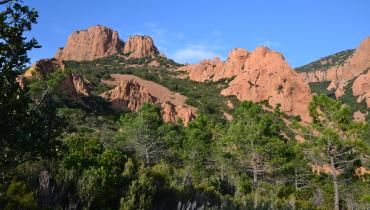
(89, 44)
(132, 95)
(361, 88)
(260, 75)
(140, 46)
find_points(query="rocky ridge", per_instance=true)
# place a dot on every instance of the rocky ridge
(339, 75)
(132, 95)
(89, 44)
(259, 75)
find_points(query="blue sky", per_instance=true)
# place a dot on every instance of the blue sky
(191, 30)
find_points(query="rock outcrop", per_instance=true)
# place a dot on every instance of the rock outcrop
(44, 66)
(314, 76)
(216, 69)
(260, 75)
(89, 44)
(354, 66)
(267, 76)
(140, 46)
(361, 88)
(132, 95)
(339, 74)
(359, 116)
(76, 87)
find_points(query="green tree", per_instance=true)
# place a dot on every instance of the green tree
(335, 141)
(27, 131)
(253, 141)
(99, 170)
(198, 146)
(17, 196)
(145, 133)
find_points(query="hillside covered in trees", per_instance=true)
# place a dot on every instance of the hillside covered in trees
(131, 129)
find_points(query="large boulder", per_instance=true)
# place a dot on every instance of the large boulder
(89, 44)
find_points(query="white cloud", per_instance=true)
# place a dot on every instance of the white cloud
(270, 43)
(150, 25)
(194, 54)
(217, 33)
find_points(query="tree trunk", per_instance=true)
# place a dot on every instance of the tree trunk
(335, 184)
(295, 179)
(255, 180)
(147, 157)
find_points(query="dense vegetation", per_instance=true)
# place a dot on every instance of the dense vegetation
(204, 96)
(58, 154)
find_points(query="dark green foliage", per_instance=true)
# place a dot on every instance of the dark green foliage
(348, 98)
(204, 96)
(321, 88)
(27, 131)
(18, 197)
(133, 160)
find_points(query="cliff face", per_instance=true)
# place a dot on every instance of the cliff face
(216, 69)
(76, 87)
(89, 44)
(132, 95)
(361, 88)
(347, 68)
(354, 66)
(44, 66)
(140, 46)
(260, 75)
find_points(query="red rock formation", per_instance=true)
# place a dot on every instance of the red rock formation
(361, 88)
(359, 116)
(132, 95)
(339, 75)
(154, 63)
(129, 95)
(261, 75)
(267, 76)
(352, 67)
(89, 44)
(216, 69)
(140, 46)
(44, 66)
(75, 86)
(314, 76)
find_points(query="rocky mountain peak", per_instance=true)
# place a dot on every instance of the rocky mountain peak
(260, 75)
(89, 44)
(140, 46)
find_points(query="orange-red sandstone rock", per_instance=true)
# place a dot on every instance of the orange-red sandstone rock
(140, 46)
(89, 44)
(216, 69)
(132, 95)
(261, 75)
(361, 88)
(44, 66)
(75, 86)
(129, 95)
(352, 67)
(359, 116)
